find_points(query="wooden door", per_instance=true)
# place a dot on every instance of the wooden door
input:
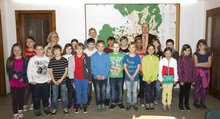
(213, 40)
(37, 24)
(2, 68)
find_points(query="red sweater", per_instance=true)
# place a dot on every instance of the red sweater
(78, 72)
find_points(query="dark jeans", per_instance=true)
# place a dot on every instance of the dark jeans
(184, 94)
(17, 99)
(41, 91)
(89, 93)
(142, 85)
(27, 93)
(116, 86)
(149, 92)
(71, 92)
(100, 91)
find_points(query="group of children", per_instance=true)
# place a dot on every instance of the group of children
(69, 74)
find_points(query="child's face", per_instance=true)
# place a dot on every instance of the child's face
(79, 50)
(202, 47)
(132, 48)
(156, 44)
(187, 52)
(30, 43)
(69, 50)
(100, 47)
(39, 51)
(150, 50)
(57, 52)
(74, 45)
(168, 54)
(54, 38)
(170, 44)
(49, 53)
(139, 44)
(124, 42)
(91, 45)
(110, 43)
(116, 48)
(17, 51)
(92, 34)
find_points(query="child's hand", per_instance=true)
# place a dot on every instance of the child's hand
(103, 77)
(148, 82)
(33, 83)
(15, 76)
(59, 81)
(98, 77)
(131, 78)
(55, 82)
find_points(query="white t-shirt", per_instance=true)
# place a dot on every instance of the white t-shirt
(89, 52)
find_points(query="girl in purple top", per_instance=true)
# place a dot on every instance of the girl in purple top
(17, 72)
(185, 73)
(202, 60)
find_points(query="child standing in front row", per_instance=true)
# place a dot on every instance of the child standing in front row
(132, 66)
(58, 71)
(150, 68)
(202, 61)
(100, 65)
(16, 67)
(185, 73)
(168, 77)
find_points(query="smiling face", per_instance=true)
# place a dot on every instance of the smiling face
(39, 51)
(145, 28)
(54, 38)
(116, 47)
(150, 50)
(139, 44)
(92, 33)
(100, 47)
(17, 51)
(30, 43)
(69, 50)
(57, 52)
(132, 48)
(187, 52)
(168, 54)
(79, 50)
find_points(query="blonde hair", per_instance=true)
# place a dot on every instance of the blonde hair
(50, 35)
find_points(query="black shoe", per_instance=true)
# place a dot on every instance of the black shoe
(111, 107)
(107, 101)
(46, 110)
(85, 110)
(70, 106)
(187, 108)
(37, 112)
(65, 111)
(121, 106)
(78, 109)
(181, 107)
(203, 107)
(197, 105)
(128, 107)
(135, 107)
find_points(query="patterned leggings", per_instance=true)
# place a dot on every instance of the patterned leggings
(17, 99)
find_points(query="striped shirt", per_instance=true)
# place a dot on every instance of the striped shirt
(58, 67)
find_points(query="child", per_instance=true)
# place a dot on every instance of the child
(67, 53)
(168, 77)
(28, 53)
(79, 69)
(90, 50)
(110, 42)
(170, 43)
(39, 77)
(116, 77)
(132, 65)
(58, 71)
(100, 65)
(16, 67)
(150, 68)
(49, 53)
(124, 45)
(202, 60)
(141, 52)
(159, 54)
(74, 43)
(185, 73)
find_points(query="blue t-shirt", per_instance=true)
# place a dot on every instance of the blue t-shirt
(203, 58)
(132, 65)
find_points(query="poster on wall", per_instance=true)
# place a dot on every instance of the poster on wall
(119, 20)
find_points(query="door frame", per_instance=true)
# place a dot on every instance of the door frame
(19, 28)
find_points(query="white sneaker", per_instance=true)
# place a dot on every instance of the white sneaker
(20, 115)
(15, 116)
(31, 107)
(25, 108)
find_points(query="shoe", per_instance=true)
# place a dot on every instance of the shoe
(25, 108)
(147, 107)
(128, 107)
(169, 108)
(103, 107)
(77, 110)
(197, 105)
(85, 110)
(99, 108)
(15, 116)
(142, 102)
(31, 107)
(47, 110)
(135, 107)
(164, 108)
(107, 102)
(121, 106)
(20, 115)
(152, 106)
(187, 108)
(156, 102)
(65, 111)
(204, 107)
(37, 113)
(54, 112)
(112, 106)
(181, 107)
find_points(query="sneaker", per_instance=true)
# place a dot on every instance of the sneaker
(20, 115)
(128, 107)
(135, 107)
(103, 108)
(169, 108)
(107, 101)
(31, 107)
(99, 108)
(164, 108)
(121, 106)
(37, 113)
(15, 116)
(54, 112)
(65, 111)
(187, 108)
(77, 110)
(156, 102)
(152, 106)
(147, 107)
(142, 102)
(47, 110)
(112, 106)
(25, 108)
(85, 110)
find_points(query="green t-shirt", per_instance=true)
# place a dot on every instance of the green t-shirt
(116, 68)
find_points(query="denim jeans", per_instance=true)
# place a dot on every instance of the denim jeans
(63, 94)
(100, 91)
(149, 92)
(108, 89)
(116, 90)
(81, 91)
(41, 91)
(71, 92)
(132, 87)
(157, 90)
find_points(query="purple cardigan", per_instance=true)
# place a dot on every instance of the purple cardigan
(186, 69)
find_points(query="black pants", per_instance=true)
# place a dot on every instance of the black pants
(17, 94)
(71, 92)
(41, 91)
(184, 94)
(142, 88)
